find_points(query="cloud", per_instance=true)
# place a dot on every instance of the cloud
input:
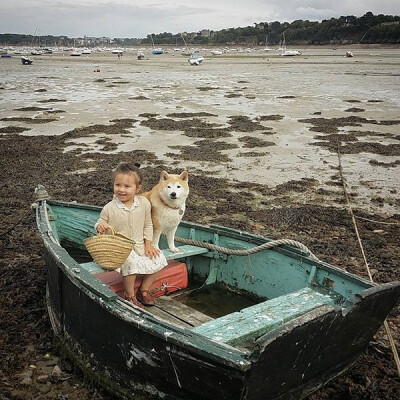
(137, 18)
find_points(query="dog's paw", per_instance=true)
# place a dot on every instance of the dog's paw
(175, 249)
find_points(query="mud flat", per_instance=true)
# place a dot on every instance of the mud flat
(260, 135)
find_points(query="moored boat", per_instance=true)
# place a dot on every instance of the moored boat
(195, 59)
(291, 53)
(156, 50)
(75, 53)
(26, 60)
(291, 324)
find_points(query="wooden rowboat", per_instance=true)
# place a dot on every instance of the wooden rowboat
(290, 324)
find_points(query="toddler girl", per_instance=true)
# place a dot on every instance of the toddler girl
(130, 215)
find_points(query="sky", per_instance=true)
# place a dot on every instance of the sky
(138, 18)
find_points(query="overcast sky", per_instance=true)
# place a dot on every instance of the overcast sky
(137, 18)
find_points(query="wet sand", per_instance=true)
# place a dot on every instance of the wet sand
(259, 134)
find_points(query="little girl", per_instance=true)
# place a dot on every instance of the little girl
(130, 215)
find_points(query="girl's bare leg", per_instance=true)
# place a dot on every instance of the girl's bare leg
(144, 296)
(147, 281)
(129, 285)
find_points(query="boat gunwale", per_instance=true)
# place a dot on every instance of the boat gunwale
(247, 237)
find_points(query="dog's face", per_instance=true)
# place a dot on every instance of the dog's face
(174, 188)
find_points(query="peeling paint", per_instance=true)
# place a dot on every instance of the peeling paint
(175, 371)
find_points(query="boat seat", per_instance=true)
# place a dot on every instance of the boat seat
(185, 251)
(253, 322)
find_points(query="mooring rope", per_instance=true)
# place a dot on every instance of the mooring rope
(378, 222)
(385, 323)
(16, 223)
(252, 250)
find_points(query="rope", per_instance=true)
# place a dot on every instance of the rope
(18, 222)
(41, 194)
(386, 325)
(379, 222)
(265, 246)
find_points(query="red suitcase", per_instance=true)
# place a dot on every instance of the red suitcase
(170, 279)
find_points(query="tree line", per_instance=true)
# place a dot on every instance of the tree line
(368, 29)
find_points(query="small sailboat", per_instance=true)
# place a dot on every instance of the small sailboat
(75, 52)
(36, 43)
(287, 52)
(155, 50)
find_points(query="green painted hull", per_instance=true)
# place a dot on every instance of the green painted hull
(310, 323)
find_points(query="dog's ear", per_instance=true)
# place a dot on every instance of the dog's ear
(164, 176)
(184, 176)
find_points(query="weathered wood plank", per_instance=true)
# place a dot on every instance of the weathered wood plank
(178, 313)
(184, 251)
(92, 268)
(261, 318)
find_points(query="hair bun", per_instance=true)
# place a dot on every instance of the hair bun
(136, 164)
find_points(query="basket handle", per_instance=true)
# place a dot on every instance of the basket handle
(113, 232)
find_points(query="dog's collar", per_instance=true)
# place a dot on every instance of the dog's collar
(174, 208)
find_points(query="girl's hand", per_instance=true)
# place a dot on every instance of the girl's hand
(102, 227)
(151, 251)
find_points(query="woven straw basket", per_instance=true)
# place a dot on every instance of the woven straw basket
(109, 251)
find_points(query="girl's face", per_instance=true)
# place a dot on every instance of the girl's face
(126, 187)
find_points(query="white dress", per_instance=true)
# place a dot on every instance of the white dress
(136, 264)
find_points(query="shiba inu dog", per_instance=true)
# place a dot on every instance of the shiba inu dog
(168, 202)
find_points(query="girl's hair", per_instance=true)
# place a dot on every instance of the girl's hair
(129, 168)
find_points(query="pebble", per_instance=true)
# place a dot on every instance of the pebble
(45, 389)
(56, 372)
(26, 381)
(42, 378)
(26, 377)
(378, 231)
